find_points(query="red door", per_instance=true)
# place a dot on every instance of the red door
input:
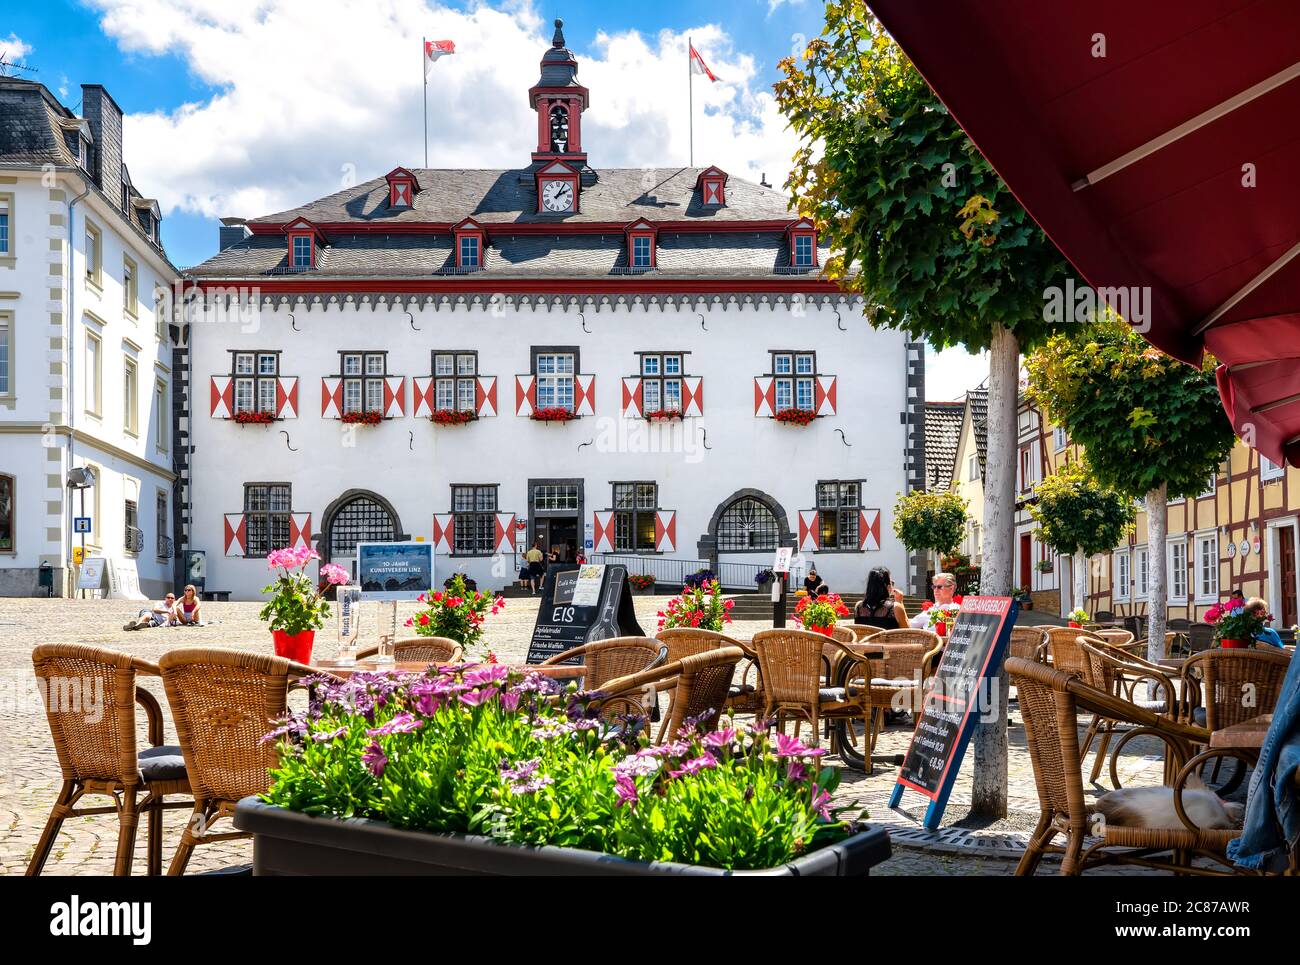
(1286, 574)
(1026, 564)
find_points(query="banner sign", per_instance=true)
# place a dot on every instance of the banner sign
(394, 571)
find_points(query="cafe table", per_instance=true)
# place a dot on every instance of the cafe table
(1248, 736)
(332, 666)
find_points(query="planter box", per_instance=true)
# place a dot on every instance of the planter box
(289, 843)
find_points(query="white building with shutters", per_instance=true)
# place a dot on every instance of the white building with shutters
(643, 365)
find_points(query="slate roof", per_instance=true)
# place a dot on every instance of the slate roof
(942, 433)
(30, 132)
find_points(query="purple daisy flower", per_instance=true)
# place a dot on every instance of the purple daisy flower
(475, 698)
(625, 791)
(375, 759)
(695, 765)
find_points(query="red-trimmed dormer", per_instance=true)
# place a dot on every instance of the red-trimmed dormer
(304, 241)
(470, 240)
(642, 245)
(803, 244)
(402, 188)
(712, 185)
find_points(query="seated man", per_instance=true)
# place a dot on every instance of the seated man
(945, 588)
(1266, 635)
(159, 615)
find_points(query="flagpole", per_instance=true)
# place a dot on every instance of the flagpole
(690, 96)
(424, 65)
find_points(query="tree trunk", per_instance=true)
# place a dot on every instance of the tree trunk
(1081, 563)
(1157, 581)
(989, 793)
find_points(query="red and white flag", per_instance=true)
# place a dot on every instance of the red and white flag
(433, 49)
(698, 66)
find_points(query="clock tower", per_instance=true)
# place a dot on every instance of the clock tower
(559, 163)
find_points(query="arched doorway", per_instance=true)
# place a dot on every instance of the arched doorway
(358, 516)
(747, 521)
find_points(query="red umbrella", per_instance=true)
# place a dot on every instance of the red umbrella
(1157, 144)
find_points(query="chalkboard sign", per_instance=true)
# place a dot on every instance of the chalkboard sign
(562, 626)
(974, 652)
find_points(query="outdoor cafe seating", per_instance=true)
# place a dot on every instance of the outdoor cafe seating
(418, 649)
(744, 696)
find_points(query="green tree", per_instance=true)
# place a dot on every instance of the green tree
(921, 225)
(930, 521)
(1153, 427)
(1078, 516)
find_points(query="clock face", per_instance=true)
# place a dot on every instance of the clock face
(557, 196)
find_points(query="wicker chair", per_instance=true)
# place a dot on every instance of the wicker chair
(745, 697)
(1028, 643)
(422, 649)
(861, 632)
(1065, 649)
(100, 756)
(1216, 681)
(1111, 672)
(1050, 701)
(899, 679)
(791, 662)
(609, 659)
(223, 702)
(1115, 637)
(699, 682)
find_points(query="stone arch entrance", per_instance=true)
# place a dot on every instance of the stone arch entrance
(357, 516)
(747, 521)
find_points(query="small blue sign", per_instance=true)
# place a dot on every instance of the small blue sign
(81, 524)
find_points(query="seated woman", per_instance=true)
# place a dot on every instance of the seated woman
(813, 584)
(1266, 635)
(882, 605)
(187, 607)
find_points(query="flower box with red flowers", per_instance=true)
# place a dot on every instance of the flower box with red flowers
(700, 607)
(796, 417)
(253, 418)
(553, 414)
(820, 613)
(451, 417)
(362, 418)
(664, 415)
(641, 581)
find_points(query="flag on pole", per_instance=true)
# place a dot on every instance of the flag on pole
(433, 49)
(698, 66)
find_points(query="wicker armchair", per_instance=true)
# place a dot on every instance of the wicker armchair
(1111, 672)
(1028, 643)
(423, 649)
(791, 661)
(607, 660)
(1050, 701)
(1065, 649)
(1226, 687)
(97, 750)
(861, 632)
(699, 682)
(223, 702)
(745, 697)
(1115, 637)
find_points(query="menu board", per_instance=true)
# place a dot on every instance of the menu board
(564, 623)
(958, 693)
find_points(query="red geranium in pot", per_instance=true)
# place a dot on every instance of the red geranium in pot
(297, 608)
(1234, 625)
(820, 613)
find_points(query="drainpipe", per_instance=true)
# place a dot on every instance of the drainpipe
(70, 337)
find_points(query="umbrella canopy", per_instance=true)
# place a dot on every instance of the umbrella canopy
(1157, 145)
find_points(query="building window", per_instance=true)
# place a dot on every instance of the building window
(1178, 572)
(160, 315)
(972, 468)
(803, 251)
(164, 549)
(6, 514)
(747, 524)
(839, 507)
(302, 251)
(642, 247)
(1267, 470)
(661, 382)
(6, 354)
(1123, 576)
(474, 508)
(93, 374)
(1207, 568)
(1210, 486)
(6, 223)
(266, 517)
(1142, 572)
(454, 380)
(634, 515)
(133, 539)
(794, 375)
(555, 497)
(554, 372)
(1059, 439)
(254, 375)
(363, 381)
(130, 287)
(469, 251)
(161, 416)
(93, 254)
(130, 397)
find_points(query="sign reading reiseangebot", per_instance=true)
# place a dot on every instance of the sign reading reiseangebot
(974, 652)
(394, 571)
(564, 622)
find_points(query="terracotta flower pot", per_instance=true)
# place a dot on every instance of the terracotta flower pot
(941, 628)
(1075, 625)
(1234, 644)
(295, 646)
(824, 631)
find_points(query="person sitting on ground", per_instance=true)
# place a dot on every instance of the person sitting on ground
(1266, 634)
(945, 588)
(882, 604)
(813, 584)
(159, 615)
(187, 608)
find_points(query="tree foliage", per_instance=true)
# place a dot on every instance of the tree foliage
(916, 219)
(1075, 513)
(1143, 417)
(930, 520)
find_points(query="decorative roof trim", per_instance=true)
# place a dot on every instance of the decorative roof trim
(518, 228)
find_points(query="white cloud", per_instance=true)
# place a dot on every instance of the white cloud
(951, 372)
(12, 49)
(310, 95)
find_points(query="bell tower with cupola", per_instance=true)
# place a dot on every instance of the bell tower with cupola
(559, 101)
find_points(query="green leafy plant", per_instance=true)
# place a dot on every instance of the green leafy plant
(457, 613)
(930, 520)
(820, 613)
(641, 581)
(700, 606)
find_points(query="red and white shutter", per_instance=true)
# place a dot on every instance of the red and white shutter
(300, 531)
(525, 394)
(808, 530)
(824, 395)
(444, 533)
(765, 396)
(485, 396)
(712, 191)
(632, 406)
(505, 533)
(422, 397)
(394, 396)
(331, 398)
(692, 396)
(869, 529)
(666, 532)
(236, 534)
(401, 194)
(286, 398)
(223, 397)
(584, 395)
(604, 532)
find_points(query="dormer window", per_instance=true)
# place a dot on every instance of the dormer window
(803, 244)
(469, 239)
(402, 188)
(469, 252)
(302, 255)
(712, 185)
(304, 243)
(641, 246)
(642, 251)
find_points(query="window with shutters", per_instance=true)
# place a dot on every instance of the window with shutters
(454, 378)
(474, 508)
(554, 372)
(661, 381)
(163, 549)
(794, 377)
(635, 504)
(132, 541)
(363, 375)
(839, 508)
(254, 376)
(266, 517)
(1122, 575)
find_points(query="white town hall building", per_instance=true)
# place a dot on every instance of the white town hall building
(408, 341)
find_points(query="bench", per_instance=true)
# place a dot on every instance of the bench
(215, 596)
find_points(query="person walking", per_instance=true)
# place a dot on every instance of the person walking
(536, 567)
